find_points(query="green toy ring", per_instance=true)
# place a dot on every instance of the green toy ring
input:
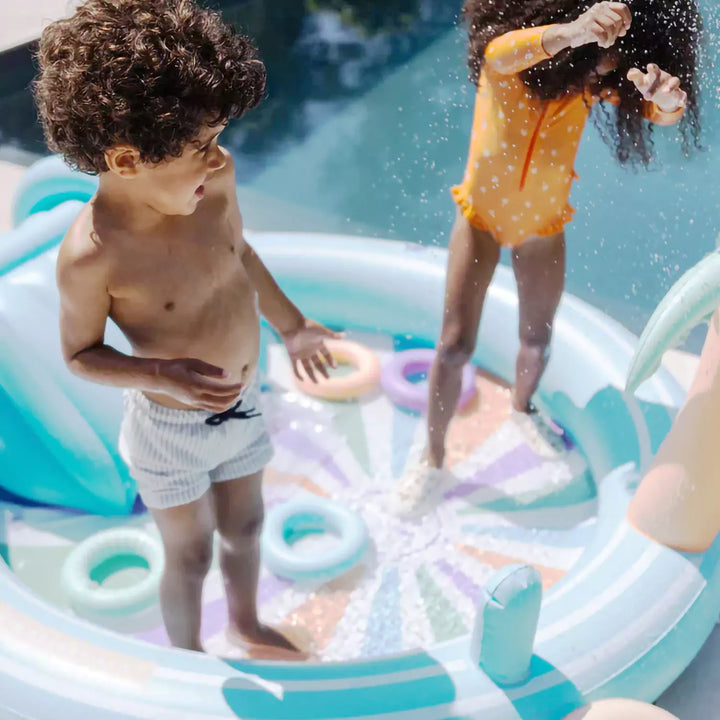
(87, 597)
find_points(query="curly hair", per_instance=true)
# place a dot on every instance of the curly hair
(666, 32)
(149, 73)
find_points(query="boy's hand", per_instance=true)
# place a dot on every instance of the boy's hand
(196, 383)
(306, 346)
(659, 87)
(603, 24)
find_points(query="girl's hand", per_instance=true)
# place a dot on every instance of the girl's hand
(659, 87)
(603, 24)
(306, 347)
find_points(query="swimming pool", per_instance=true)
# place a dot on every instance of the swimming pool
(366, 127)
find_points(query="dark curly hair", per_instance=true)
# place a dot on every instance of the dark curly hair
(149, 73)
(666, 32)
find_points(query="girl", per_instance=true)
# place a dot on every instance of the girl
(535, 88)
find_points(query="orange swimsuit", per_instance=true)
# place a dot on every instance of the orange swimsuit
(522, 150)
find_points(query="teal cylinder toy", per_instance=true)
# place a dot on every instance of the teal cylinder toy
(505, 624)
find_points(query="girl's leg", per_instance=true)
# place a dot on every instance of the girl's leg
(539, 267)
(474, 254)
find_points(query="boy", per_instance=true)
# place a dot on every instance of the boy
(138, 91)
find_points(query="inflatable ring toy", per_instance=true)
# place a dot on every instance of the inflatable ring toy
(291, 520)
(347, 387)
(89, 599)
(413, 396)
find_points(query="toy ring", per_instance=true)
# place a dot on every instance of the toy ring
(414, 396)
(363, 378)
(295, 518)
(87, 597)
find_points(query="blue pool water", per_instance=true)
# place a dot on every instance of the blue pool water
(366, 127)
(382, 164)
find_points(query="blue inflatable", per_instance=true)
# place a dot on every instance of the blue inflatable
(59, 440)
(625, 620)
(47, 184)
(287, 523)
(506, 622)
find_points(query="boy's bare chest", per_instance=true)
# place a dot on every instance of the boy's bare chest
(188, 270)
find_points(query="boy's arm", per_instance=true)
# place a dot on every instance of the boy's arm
(84, 309)
(279, 310)
(303, 338)
(275, 306)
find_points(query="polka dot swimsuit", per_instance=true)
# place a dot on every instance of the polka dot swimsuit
(520, 165)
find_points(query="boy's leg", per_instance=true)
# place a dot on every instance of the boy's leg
(474, 254)
(539, 267)
(187, 534)
(239, 517)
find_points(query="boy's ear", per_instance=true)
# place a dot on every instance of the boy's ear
(123, 160)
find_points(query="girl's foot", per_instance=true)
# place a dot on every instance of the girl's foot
(540, 433)
(418, 491)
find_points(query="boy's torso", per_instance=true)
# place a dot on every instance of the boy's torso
(184, 292)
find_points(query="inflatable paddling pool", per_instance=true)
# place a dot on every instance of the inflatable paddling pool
(625, 619)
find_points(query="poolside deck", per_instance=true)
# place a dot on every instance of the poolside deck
(22, 22)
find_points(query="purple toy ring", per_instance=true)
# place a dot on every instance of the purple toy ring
(414, 396)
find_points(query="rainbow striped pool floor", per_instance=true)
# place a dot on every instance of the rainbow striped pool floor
(419, 582)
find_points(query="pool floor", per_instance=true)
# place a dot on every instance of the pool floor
(420, 580)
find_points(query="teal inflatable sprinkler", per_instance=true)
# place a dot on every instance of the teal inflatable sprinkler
(47, 184)
(505, 624)
(690, 301)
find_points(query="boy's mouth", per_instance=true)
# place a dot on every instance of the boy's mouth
(200, 191)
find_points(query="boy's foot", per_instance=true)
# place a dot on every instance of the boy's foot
(266, 643)
(540, 433)
(418, 490)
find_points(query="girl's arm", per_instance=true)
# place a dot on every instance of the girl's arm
(657, 116)
(517, 50)
(665, 100)
(651, 111)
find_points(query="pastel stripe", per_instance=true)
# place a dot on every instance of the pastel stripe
(496, 560)
(445, 620)
(464, 583)
(519, 460)
(384, 626)
(304, 447)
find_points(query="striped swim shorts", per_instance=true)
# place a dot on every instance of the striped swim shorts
(175, 455)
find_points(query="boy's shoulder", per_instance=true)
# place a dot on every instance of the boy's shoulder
(224, 178)
(222, 190)
(84, 246)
